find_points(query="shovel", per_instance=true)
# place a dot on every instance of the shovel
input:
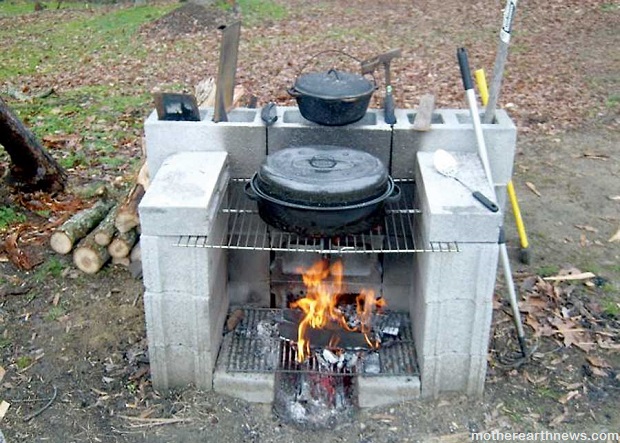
(446, 165)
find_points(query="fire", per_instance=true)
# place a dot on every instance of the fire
(325, 288)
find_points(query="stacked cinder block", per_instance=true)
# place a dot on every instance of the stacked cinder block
(452, 303)
(185, 297)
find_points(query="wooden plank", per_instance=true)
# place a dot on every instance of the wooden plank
(424, 114)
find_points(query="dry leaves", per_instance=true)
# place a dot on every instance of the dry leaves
(532, 187)
(615, 237)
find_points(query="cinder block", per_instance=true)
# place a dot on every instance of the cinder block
(370, 134)
(449, 211)
(184, 334)
(251, 387)
(195, 269)
(453, 373)
(451, 129)
(381, 391)
(185, 195)
(243, 136)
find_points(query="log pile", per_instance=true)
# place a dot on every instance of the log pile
(107, 231)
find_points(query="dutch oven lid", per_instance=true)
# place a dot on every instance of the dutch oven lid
(322, 175)
(333, 84)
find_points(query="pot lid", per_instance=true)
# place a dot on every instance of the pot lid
(333, 84)
(322, 175)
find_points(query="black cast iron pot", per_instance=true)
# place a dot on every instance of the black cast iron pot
(322, 191)
(332, 98)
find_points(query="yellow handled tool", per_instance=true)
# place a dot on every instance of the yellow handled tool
(524, 255)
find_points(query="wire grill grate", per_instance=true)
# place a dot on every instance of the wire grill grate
(398, 233)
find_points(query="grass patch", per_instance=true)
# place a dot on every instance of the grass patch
(611, 308)
(51, 268)
(8, 216)
(55, 312)
(548, 270)
(4, 342)
(255, 11)
(23, 362)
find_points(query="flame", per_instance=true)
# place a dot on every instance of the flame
(325, 287)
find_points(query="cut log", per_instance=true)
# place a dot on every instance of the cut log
(122, 243)
(424, 116)
(127, 217)
(78, 226)
(32, 168)
(136, 252)
(104, 233)
(88, 256)
(121, 261)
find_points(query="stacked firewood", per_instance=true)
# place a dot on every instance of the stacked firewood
(107, 231)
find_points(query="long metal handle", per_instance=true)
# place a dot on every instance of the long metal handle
(500, 60)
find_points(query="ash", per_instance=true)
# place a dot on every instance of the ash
(314, 401)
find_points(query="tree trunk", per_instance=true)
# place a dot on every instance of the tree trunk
(32, 168)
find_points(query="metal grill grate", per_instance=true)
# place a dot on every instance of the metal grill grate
(255, 347)
(399, 232)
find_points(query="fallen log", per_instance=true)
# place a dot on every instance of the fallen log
(122, 243)
(32, 168)
(78, 226)
(104, 233)
(88, 256)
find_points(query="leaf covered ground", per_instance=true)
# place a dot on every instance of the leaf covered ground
(77, 342)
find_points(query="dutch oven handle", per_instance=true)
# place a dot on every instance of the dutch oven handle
(322, 163)
(394, 195)
(249, 191)
(336, 51)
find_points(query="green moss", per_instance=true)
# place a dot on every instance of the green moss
(9, 216)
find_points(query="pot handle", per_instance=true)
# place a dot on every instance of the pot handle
(322, 163)
(249, 191)
(394, 195)
(294, 92)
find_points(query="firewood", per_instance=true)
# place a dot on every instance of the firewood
(121, 261)
(90, 257)
(122, 243)
(78, 226)
(127, 217)
(104, 233)
(136, 252)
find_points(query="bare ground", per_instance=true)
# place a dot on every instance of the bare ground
(77, 342)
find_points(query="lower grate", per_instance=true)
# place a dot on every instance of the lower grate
(257, 348)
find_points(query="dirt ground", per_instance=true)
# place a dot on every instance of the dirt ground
(74, 347)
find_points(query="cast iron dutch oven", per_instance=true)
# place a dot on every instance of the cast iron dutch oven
(322, 191)
(332, 98)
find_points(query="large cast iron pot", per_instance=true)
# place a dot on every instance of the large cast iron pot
(332, 98)
(322, 191)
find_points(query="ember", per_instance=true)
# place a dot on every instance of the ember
(325, 308)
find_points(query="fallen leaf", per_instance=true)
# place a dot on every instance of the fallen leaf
(607, 344)
(4, 407)
(597, 361)
(598, 371)
(532, 188)
(568, 397)
(615, 237)
(587, 228)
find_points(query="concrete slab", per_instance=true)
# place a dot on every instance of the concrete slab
(381, 391)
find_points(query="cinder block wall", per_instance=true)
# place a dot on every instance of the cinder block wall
(449, 296)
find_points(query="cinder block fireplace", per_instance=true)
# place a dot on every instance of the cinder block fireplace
(207, 255)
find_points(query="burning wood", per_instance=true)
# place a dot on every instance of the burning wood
(328, 317)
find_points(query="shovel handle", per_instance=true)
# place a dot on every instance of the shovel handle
(485, 201)
(390, 116)
(461, 54)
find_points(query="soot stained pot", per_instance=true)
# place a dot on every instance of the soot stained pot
(332, 98)
(322, 191)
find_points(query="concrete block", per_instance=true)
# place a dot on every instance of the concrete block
(185, 195)
(184, 334)
(371, 134)
(251, 387)
(453, 373)
(397, 297)
(381, 391)
(244, 137)
(449, 211)
(195, 269)
(451, 129)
